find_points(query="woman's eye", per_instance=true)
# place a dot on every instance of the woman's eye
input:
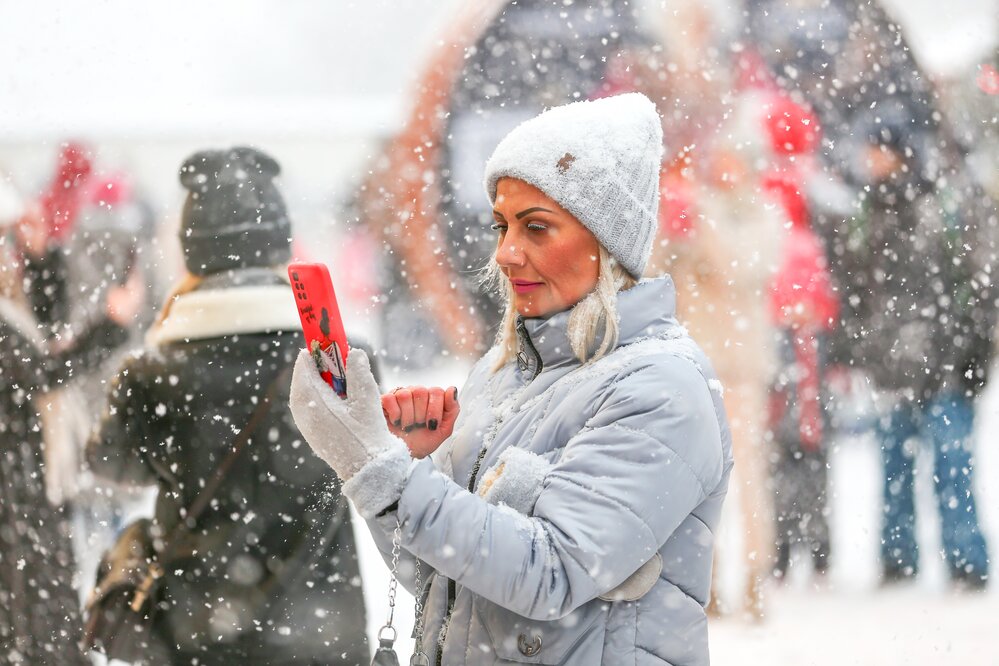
(534, 226)
(499, 227)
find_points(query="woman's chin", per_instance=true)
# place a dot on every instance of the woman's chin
(528, 310)
(536, 311)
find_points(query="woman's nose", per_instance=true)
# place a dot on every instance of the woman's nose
(509, 253)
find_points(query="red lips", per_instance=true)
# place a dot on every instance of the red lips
(524, 286)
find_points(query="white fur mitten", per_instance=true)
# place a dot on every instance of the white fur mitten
(350, 433)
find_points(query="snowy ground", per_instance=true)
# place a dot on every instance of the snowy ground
(914, 626)
(845, 619)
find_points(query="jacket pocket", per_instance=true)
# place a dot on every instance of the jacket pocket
(574, 639)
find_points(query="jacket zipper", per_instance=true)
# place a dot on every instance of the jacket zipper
(527, 345)
(452, 587)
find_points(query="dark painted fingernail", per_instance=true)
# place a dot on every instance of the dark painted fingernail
(408, 428)
(432, 424)
(397, 423)
(455, 394)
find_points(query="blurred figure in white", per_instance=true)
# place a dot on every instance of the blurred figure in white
(720, 240)
(39, 609)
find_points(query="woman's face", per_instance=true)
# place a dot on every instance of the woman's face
(551, 260)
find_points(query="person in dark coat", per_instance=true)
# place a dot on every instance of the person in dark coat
(269, 574)
(919, 313)
(39, 607)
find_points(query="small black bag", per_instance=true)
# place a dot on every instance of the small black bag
(120, 611)
(121, 607)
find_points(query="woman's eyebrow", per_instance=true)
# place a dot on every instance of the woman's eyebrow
(528, 211)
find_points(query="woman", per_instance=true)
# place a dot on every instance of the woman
(275, 551)
(566, 516)
(39, 607)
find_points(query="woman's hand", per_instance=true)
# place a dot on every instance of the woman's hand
(348, 433)
(421, 416)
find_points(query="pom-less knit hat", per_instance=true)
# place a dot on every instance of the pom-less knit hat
(600, 161)
(234, 216)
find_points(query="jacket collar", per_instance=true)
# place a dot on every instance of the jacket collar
(222, 308)
(646, 310)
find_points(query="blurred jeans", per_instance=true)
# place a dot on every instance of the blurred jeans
(945, 422)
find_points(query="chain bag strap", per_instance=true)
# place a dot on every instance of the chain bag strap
(385, 654)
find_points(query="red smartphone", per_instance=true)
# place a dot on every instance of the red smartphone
(324, 335)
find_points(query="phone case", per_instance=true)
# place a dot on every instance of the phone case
(321, 322)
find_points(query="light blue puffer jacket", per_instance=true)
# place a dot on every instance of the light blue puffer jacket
(588, 536)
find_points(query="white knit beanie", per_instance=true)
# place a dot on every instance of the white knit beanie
(600, 161)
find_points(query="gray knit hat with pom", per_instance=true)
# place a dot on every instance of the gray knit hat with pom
(600, 161)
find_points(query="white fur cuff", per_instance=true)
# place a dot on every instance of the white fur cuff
(380, 482)
(516, 480)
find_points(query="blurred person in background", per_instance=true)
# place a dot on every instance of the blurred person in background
(842, 57)
(721, 241)
(804, 309)
(97, 232)
(39, 608)
(925, 342)
(111, 239)
(269, 573)
(919, 313)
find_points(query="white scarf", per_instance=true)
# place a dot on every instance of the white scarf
(211, 313)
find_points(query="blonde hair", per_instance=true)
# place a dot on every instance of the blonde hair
(188, 283)
(598, 308)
